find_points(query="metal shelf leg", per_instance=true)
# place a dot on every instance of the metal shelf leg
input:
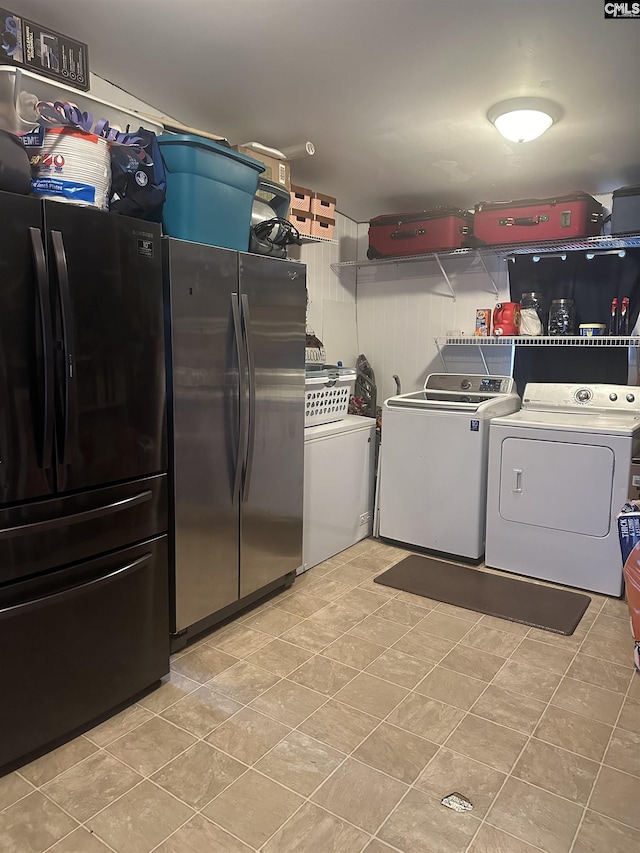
(489, 276)
(445, 276)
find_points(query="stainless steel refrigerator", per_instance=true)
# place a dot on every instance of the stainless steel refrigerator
(84, 617)
(236, 335)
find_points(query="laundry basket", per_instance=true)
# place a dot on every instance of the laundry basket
(327, 394)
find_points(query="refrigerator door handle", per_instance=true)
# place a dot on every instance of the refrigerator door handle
(46, 333)
(75, 518)
(56, 597)
(241, 453)
(246, 320)
(68, 345)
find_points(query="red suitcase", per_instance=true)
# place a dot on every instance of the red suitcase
(437, 230)
(535, 219)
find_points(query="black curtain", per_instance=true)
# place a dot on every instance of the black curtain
(592, 284)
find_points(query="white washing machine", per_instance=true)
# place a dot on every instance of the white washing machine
(558, 476)
(433, 473)
(339, 461)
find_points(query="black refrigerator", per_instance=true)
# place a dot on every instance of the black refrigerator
(83, 496)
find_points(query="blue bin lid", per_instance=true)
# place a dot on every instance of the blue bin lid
(209, 144)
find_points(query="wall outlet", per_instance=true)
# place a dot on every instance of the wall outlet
(365, 517)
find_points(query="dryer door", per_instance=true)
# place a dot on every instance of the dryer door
(557, 484)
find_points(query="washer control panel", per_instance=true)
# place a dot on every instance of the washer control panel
(470, 383)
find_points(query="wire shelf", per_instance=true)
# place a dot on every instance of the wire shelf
(507, 250)
(309, 238)
(542, 341)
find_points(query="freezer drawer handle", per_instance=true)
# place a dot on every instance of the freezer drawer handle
(44, 316)
(407, 235)
(517, 481)
(242, 370)
(75, 518)
(252, 397)
(57, 597)
(68, 344)
(523, 220)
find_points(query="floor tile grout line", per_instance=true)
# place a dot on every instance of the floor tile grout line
(385, 719)
(75, 829)
(318, 652)
(346, 758)
(337, 768)
(132, 729)
(19, 800)
(85, 822)
(526, 744)
(84, 760)
(450, 735)
(64, 811)
(472, 625)
(147, 778)
(198, 813)
(175, 701)
(602, 764)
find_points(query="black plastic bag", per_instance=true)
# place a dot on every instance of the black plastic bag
(15, 168)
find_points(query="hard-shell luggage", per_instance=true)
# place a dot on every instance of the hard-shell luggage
(437, 230)
(625, 210)
(535, 219)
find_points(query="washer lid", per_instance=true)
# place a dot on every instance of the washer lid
(573, 421)
(455, 392)
(440, 401)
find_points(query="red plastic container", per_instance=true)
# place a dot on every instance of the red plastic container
(506, 319)
(532, 220)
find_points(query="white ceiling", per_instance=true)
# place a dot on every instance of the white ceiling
(393, 93)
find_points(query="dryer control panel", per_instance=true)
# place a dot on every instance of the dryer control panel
(600, 398)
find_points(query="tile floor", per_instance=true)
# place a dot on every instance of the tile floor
(334, 717)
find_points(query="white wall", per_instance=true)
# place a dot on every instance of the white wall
(106, 91)
(332, 304)
(402, 308)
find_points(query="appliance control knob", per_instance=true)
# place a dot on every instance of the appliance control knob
(630, 398)
(613, 396)
(465, 384)
(583, 395)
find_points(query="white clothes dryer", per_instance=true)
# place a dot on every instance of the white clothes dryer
(433, 472)
(558, 476)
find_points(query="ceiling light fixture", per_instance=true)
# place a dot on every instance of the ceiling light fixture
(524, 119)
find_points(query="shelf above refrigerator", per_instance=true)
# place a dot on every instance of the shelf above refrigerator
(20, 91)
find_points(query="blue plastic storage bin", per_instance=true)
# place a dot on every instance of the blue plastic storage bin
(210, 190)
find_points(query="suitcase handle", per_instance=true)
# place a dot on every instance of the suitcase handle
(405, 235)
(523, 220)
